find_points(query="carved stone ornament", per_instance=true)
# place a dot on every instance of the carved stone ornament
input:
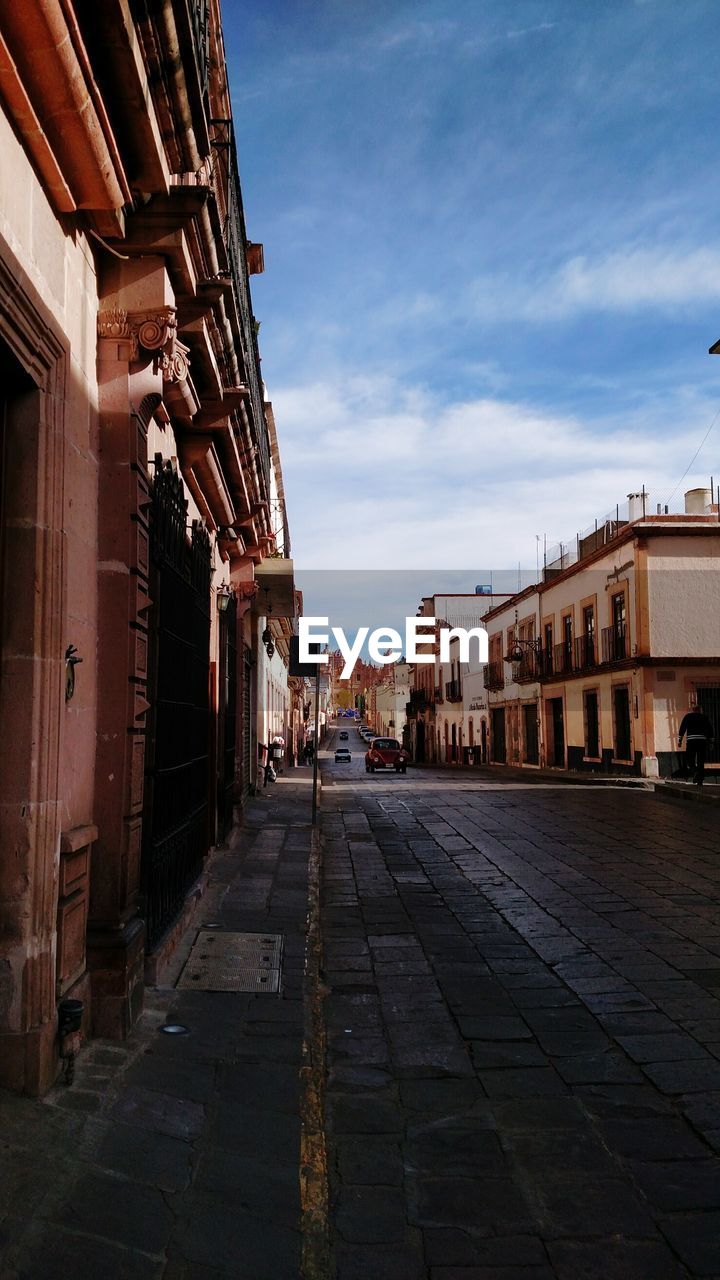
(153, 331)
(113, 323)
(247, 590)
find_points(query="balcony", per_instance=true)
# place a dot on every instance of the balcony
(527, 668)
(614, 644)
(438, 697)
(586, 655)
(276, 579)
(562, 658)
(199, 16)
(418, 702)
(453, 690)
(494, 676)
(241, 259)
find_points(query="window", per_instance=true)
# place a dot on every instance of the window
(618, 613)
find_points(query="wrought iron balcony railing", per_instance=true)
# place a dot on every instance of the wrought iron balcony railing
(229, 199)
(418, 701)
(586, 654)
(528, 668)
(453, 691)
(494, 676)
(614, 644)
(199, 17)
(563, 658)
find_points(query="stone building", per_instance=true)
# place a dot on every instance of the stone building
(139, 510)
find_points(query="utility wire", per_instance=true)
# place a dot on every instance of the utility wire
(697, 451)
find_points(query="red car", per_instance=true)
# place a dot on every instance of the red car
(386, 753)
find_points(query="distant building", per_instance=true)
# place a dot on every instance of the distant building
(391, 700)
(613, 646)
(426, 737)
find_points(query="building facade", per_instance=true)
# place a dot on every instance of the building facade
(612, 648)
(138, 502)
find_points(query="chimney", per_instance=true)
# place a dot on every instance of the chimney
(637, 505)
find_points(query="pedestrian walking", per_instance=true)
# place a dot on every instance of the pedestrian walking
(698, 733)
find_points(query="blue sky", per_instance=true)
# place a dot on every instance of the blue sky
(492, 249)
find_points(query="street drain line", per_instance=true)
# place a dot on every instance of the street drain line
(315, 1263)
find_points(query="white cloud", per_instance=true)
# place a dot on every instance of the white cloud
(627, 280)
(381, 476)
(527, 31)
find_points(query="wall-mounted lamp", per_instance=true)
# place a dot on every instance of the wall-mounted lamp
(224, 596)
(71, 661)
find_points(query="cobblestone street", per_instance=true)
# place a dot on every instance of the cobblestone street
(523, 1030)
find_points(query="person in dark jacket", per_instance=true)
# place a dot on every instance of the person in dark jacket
(698, 733)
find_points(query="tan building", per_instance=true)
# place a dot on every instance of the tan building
(615, 645)
(513, 733)
(391, 700)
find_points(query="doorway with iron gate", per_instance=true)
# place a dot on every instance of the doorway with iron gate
(175, 810)
(227, 719)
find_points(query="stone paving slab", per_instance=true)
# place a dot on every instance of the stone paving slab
(178, 1158)
(529, 981)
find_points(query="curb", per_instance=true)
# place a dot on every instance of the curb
(560, 778)
(688, 793)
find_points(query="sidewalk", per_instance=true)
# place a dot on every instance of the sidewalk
(532, 773)
(178, 1157)
(575, 777)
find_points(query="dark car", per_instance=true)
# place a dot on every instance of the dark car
(343, 735)
(386, 753)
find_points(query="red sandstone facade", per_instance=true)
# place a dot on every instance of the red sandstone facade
(140, 502)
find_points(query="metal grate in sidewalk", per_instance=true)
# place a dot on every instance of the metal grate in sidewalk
(228, 961)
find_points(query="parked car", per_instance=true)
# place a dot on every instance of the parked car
(386, 753)
(342, 756)
(343, 735)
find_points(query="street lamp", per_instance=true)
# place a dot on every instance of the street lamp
(224, 595)
(520, 647)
